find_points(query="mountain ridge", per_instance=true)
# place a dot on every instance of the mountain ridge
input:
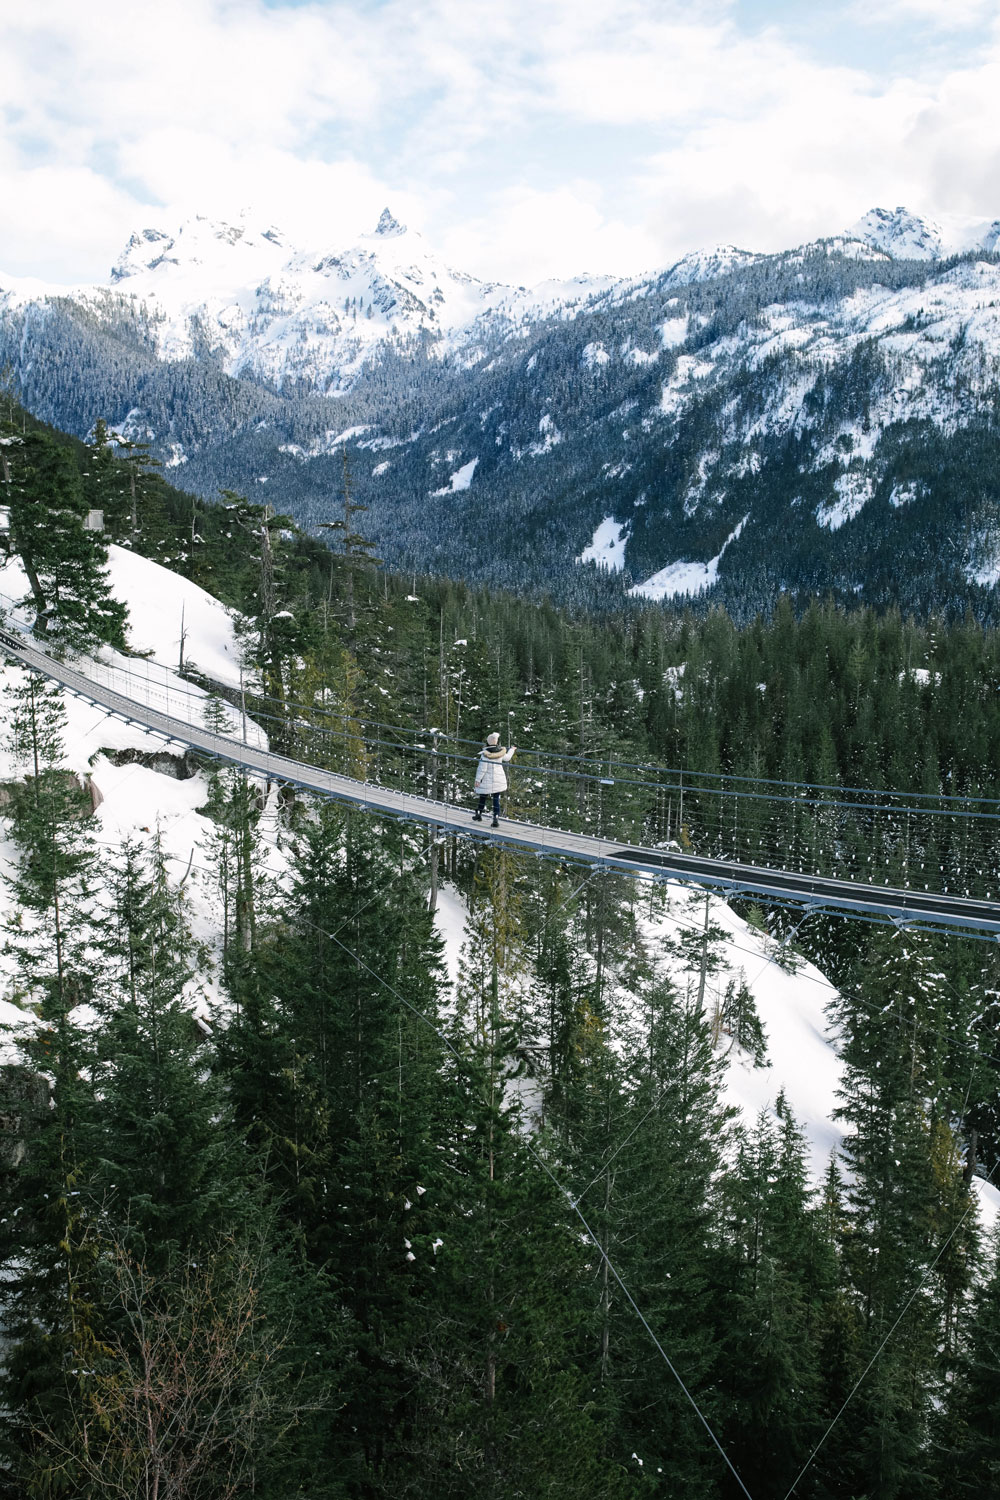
(818, 420)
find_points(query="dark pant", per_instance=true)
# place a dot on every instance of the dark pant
(484, 798)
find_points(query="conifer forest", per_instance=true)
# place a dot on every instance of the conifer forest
(370, 1227)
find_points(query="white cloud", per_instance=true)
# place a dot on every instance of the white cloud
(318, 203)
(58, 219)
(526, 236)
(525, 139)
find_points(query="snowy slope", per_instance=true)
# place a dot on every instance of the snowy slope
(138, 801)
(160, 603)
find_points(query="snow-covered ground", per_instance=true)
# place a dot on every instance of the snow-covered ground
(685, 577)
(606, 547)
(162, 605)
(136, 801)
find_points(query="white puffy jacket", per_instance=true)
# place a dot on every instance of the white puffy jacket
(490, 774)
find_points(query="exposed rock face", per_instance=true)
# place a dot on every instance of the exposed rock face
(179, 767)
(86, 794)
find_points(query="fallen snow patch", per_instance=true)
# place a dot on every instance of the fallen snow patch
(550, 437)
(594, 354)
(607, 546)
(460, 480)
(904, 494)
(683, 577)
(673, 332)
(853, 493)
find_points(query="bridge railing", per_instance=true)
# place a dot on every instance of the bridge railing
(927, 841)
(932, 841)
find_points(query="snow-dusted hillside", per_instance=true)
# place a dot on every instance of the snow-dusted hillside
(938, 348)
(139, 784)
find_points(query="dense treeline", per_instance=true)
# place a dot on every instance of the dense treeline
(360, 1233)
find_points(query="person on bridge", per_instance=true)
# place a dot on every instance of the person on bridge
(491, 778)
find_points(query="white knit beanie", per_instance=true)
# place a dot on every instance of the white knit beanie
(493, 739)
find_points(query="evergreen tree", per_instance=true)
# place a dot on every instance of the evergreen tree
(52, 1324)
(63, 561)
(738, 1017)
(665, 1216)
(969, 1432)
(104, 481)
(166, 1176)
(513, 1411)
(132, 490)
(904, 1201)
(780, 1279)
(335, 1082)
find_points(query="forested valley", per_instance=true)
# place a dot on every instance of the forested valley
(370, 1233)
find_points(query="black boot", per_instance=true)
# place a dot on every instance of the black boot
(495, 823)
(477, 817)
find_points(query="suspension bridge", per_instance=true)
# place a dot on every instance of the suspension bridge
(730, 837)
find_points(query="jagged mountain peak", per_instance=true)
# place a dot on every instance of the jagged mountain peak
(906, 235)
(389, 225)
(900, 233)
(209, 246)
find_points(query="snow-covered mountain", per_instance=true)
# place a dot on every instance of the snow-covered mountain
(739, 424)
(908, 236)
(279, 314)
(263, 308)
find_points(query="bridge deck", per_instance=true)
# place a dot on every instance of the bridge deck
(925, 908)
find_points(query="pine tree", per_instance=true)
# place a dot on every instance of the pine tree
(969, 1435)
(739, 1019)
(779, 1286)
(234, 850)
(664, 1213)
(335, 1082)
(105, 481)
(513, 1411)
(52, 1325)
(136, 469)
(63, 561)
(357, 551)
(903, 1202)
(167, 1169)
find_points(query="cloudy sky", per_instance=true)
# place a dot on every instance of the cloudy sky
(523, 138)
